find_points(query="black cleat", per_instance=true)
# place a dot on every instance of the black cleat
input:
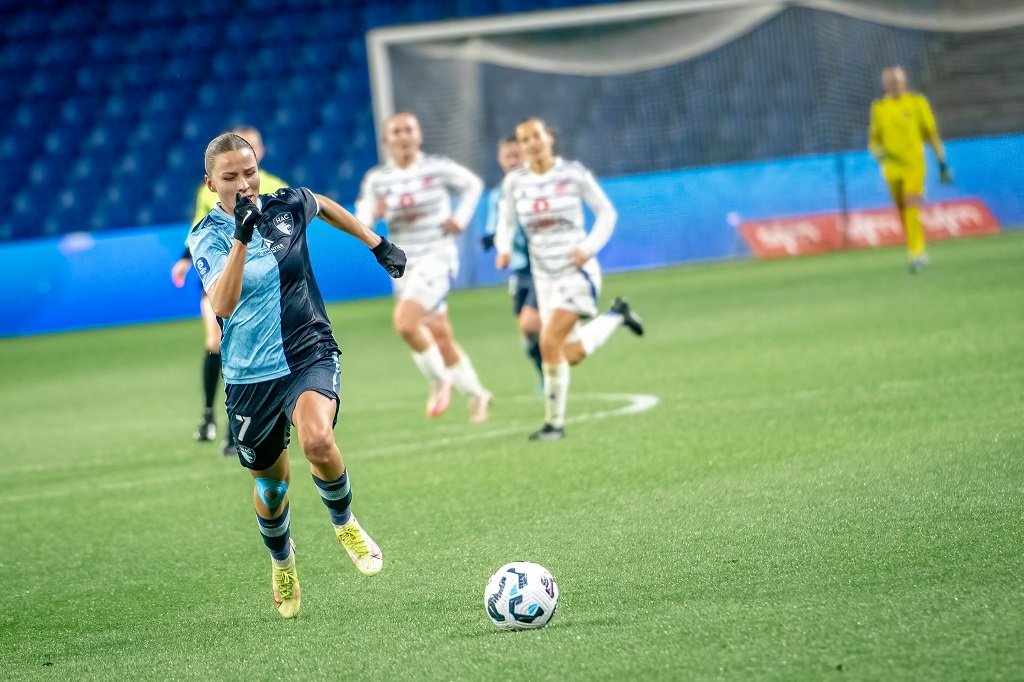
(228, 449)
(621, 307)
(207, 429)
(548, 432)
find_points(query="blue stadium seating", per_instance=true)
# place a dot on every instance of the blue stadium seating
(110, 104)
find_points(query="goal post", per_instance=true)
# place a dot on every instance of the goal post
(698, 87)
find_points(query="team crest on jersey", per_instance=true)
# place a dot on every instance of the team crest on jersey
(202, 267)
(247, 453)
(283, 223)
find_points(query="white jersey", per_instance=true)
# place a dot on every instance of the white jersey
(549, 208)
(418, 201)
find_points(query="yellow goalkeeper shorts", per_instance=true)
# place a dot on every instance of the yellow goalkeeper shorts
(904, 180)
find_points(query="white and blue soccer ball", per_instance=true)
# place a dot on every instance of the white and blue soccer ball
(521, 596)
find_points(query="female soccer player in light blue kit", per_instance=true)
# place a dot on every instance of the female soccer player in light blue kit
(280, 359)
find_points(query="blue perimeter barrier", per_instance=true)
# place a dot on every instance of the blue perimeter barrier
(121, 277)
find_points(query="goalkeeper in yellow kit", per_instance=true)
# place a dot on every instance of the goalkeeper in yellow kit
(901, 122)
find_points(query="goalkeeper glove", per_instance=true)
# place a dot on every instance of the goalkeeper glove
(247, 216)
(945, 175)
(390, 257)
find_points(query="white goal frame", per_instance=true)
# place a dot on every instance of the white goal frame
(379, 40)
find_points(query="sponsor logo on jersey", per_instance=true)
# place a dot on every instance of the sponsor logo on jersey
(202, 267)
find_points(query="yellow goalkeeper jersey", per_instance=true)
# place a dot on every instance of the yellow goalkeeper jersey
(899, 128)
(206, 200)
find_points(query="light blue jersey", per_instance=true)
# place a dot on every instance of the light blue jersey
(520, 259)
(279, 324)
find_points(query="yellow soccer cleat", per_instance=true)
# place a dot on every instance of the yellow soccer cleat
(285, 582)
(361, 548)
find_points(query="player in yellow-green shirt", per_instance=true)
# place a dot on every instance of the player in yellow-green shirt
(206, 199)
(901, 122)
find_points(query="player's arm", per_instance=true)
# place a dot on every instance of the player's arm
(875, 136)
(491, 224)
(225, 289)
(469, 187)
(390, 257)
(605, 217)
(505, 229)
(181, 267)
(930, 132)
(332, 213)
(369, 207)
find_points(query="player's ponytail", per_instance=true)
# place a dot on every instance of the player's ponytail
(225, 142)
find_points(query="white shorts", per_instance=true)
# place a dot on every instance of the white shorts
(426, 281)
(575, 292)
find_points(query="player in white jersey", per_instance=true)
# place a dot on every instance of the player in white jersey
(546, 196)
(412, 193)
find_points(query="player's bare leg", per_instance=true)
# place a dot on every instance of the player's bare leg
(313, 418)
(270, 498)
(409, 319)
(460, 368)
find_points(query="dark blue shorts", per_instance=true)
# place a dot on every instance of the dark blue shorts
(260, 415)
(520, 288)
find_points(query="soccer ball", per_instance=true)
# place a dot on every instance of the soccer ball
(521, 596)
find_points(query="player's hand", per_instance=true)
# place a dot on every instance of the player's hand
(945, 175)
(390, 257)
(502, 260)
(580, 257)
(179, 271)
(487, 242)
(247, 216)
(451, 226)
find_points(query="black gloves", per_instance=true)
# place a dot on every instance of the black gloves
(945, 175)
(247, 216)
(390, 257)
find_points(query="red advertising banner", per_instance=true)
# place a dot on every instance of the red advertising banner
(803, 235)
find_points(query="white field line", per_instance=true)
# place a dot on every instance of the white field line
(635, 404)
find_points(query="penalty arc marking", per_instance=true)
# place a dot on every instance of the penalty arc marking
(635, 404)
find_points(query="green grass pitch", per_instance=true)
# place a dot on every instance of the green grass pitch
(830, 487)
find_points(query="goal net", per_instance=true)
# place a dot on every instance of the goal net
(647, 87)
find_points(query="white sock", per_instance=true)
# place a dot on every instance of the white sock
(594, 333)
(464, 377)
(556, 393)
(431, 364)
